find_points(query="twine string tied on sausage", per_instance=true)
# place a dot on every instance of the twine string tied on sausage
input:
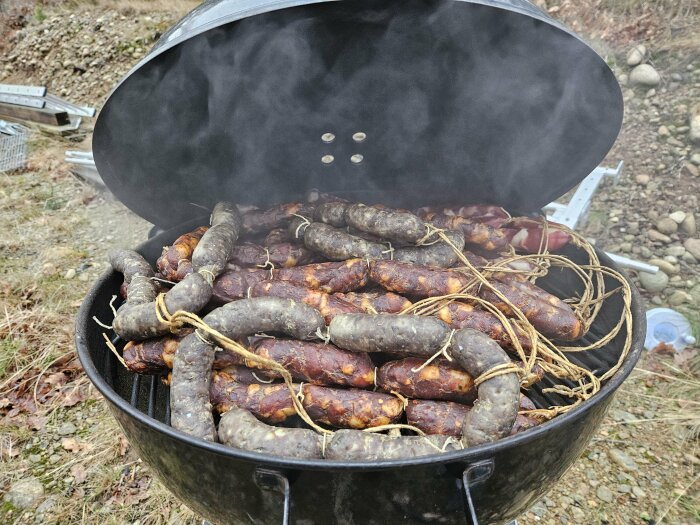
(212, 336)
(442, 352)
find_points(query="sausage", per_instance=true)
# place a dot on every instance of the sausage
(317, 363)
(437, 417)
(357, 445)
(332, 213)
(329, 305)
(269, 403)
(155, 356)
(397, 334)
(136, 322)
(339, 245)
(238, 373)
(238, 428)
(437, 380)
(258, 221)
(283, 255)
(440, 254)
(234, 284)
(138, 287)
(547, 313)
(266, 314)
(376, 302)
(489, 214)
(525, 234)
(317, 197)
(496, 408)
(386, 223)
(446, 418)
(483, 235)
(419, 281)
(276, 236)
(216, 245)
(351, 408)
(168, 263)
(190, 408)
(330, 277)
(462, 315)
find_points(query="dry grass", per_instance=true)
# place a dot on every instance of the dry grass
(664, 8)
(126, 7)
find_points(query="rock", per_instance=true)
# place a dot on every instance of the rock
(663, 131)
(667, 226)
(695, 159)
(624, 488)
(604, 494)
(621, 415)
(70, 273)
(688, 225)
(680, 297)
(664, 266)
(645, 75)
(695, 293)
(677, 216)
(689, 169)
(25, 493)
(642, 179)
(693, 246)
(623, 460)
(636, 55)
(675, 251)
(638, 492)
(687, 257)
(66, 429)
(653, 283)
(694, 132)
(658, 236)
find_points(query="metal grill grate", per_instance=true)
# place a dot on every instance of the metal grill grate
(13, 146)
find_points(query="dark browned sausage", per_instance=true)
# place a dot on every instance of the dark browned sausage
(351, 408)
(376, 302)
(483, 235)
(257, 221)
(317, 363)
(549, 314)
(438, 253)
(284, 255)
(358, 445)
(344, 276)
(407, 335)
(155, 356)
(181, 250)
(339, 245)
(420, 281)
(276, 236)
(386, 223)
(269, 403)
(447, 418)
(329, 305)
(437, 380)
(332, 213)
(234, 284)
(495, 410)
(238, 428)
(215, 247)
(462, 315)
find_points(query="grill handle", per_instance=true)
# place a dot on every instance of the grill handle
(472, 476)
(269, 480)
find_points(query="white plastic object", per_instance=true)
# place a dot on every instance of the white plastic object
(670, 327)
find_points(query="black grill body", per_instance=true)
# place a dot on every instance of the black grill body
(229, 486)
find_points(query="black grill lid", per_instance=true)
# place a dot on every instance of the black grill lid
(457, 101)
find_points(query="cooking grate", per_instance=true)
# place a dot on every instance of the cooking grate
(13, 146)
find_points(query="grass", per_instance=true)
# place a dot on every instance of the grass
(667, 8)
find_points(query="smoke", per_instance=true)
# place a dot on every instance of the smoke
(460, 103)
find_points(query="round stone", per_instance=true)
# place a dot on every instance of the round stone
(645, 75)
(653, 282)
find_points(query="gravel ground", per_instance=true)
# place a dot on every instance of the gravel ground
(63, 458)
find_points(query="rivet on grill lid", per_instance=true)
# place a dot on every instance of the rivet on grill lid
(328, 137)
(359, 136)
(327, 159)
(356, 158)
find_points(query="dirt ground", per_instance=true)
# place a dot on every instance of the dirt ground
(63, 457)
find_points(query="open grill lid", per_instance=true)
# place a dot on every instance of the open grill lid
(258, 102)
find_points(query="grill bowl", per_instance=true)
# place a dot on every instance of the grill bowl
(229, 486)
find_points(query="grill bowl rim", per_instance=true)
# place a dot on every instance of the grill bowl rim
(466, 455)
